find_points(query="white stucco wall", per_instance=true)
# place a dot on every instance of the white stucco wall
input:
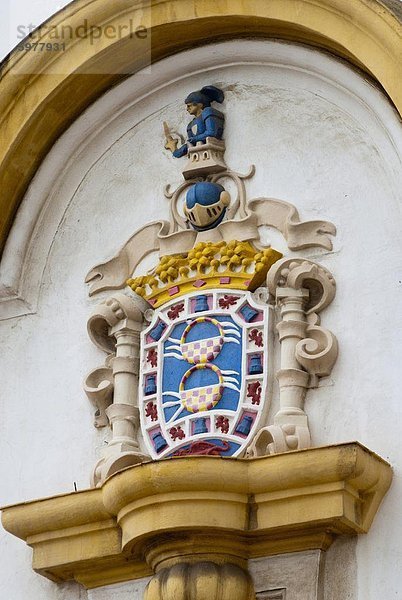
(322, 138)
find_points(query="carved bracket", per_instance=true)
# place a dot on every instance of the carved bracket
(301, 289)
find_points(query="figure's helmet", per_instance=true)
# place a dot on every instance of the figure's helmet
(205, 96)
(206, 205)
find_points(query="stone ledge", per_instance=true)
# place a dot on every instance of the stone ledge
(155, 513)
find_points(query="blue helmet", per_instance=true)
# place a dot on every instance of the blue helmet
(206, 205)
(205, 96)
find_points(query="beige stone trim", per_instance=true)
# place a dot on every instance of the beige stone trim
(169, 511)
(34, 86)
(115, 326)
(301, 290)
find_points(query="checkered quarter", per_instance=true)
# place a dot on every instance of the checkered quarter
(201, 399)
(202, 351)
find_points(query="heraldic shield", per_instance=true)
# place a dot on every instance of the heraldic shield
(204, 371)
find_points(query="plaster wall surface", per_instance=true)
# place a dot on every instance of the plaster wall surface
(322, 138)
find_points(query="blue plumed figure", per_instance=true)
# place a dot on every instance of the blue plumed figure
(207, 121)
(206, 205)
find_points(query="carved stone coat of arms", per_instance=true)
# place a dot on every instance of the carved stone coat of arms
(190, 342)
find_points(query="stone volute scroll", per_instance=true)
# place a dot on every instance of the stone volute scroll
(301, 289)
(114, 326)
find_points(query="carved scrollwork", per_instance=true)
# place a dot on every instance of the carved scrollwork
(114, 326)
(297, 274)
(99, 386)
(275, 439)
(301, 289)
(109, 313)
(317, 353)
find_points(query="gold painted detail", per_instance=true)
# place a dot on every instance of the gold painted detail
(202, 509)
(234, 265)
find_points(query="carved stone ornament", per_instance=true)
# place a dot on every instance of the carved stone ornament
(301, 289)
(188, 377)
(197, 376)
(115, 326)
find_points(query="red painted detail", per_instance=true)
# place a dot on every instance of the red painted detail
(152, 357)
(176, 433)
(227, 301)
(222, 423)
(151, 410)
(224, 280)
(203, 448)
(254, 390)
(256, 337)
(175, 311)
(173, 290)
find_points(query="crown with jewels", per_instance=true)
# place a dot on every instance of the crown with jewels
(233, 265)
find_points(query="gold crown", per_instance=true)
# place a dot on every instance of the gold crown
(233, 265)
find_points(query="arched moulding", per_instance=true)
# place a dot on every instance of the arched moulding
(301, 289)
(58, 174)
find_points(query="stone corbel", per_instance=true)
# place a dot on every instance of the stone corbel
(192, 523)
(115, 327)
(301, 290)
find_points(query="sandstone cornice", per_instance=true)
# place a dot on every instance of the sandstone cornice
(159, 513)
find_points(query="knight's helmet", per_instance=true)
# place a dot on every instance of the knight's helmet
(206, 205)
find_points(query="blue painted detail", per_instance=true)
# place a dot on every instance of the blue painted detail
(201, 304)
(205, 96)
(201, 331)
(255, 366)
(210, 123)
(248, 313)
(245, 425)
(200, 426)
(204, 193)
(201, 378)
(159, 441)
(174, 367)
(157, 332)
(150, 385)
